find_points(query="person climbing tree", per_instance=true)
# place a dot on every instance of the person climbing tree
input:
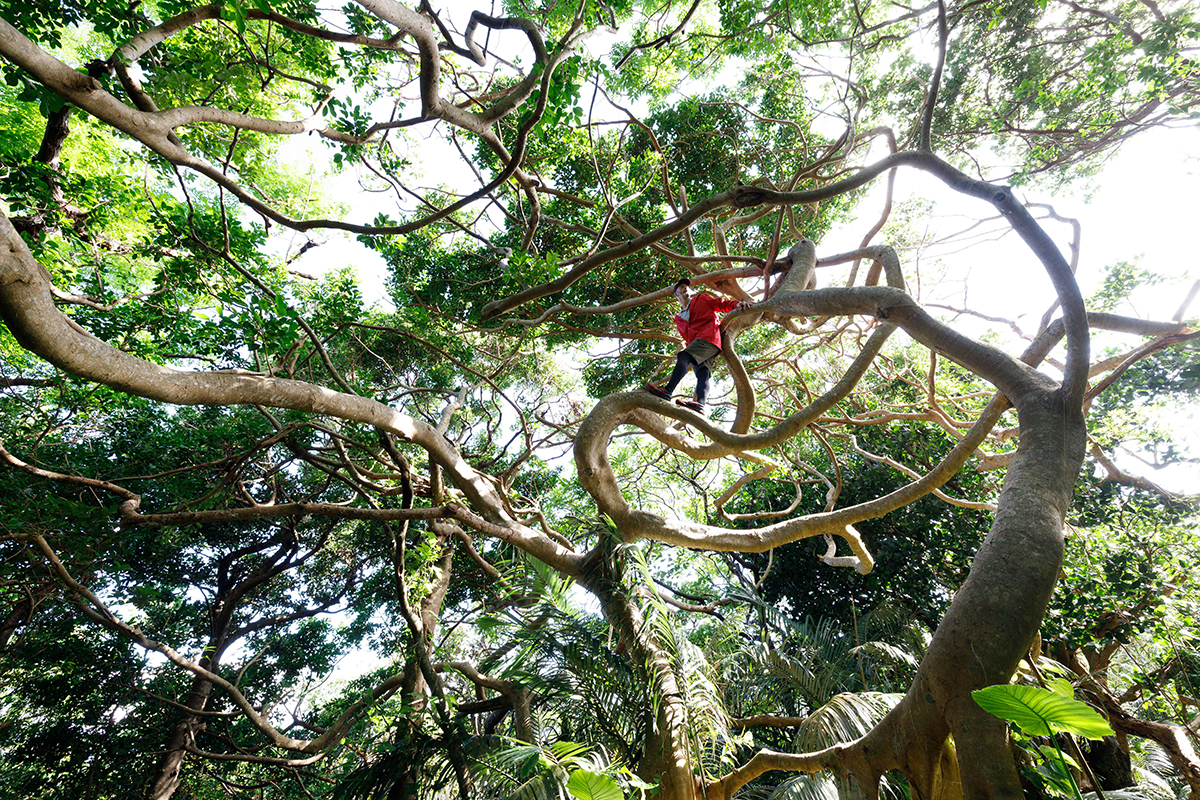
(697, 324)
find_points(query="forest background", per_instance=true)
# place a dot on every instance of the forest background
(234, 470)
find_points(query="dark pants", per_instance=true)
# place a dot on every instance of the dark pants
(684, 360)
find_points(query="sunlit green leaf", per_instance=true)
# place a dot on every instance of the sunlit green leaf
(1041, 712)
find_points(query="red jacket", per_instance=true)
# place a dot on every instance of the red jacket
(702, 318)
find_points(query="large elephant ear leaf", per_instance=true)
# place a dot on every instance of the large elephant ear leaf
(1040, 712)
(586, 785)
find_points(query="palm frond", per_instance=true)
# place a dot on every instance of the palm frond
(890, 653)
(1155, 773)
(815, 659)
(581, 686)
(374, 779)
(821, 786)
(1152, 759)
(707, 724)
(519, 771)
(1148, 790)
(845, 718)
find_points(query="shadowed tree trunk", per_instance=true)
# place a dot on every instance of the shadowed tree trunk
(170, 769)
(414, 688)
(234, 583)
(58, 127)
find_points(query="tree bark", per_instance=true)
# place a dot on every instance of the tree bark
(1109, 763)
(230, 592)
(665, 759)
(414, 688)
(995, 614)
(16, 617)
(27, 307)
(58, 127)
(1174, 739)
(170, 768)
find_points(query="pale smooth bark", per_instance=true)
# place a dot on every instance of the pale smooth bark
(988, 628)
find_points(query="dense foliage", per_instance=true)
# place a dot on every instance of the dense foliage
(218, 593)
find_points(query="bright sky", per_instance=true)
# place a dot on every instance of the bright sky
(1142, 208)
(1144, 205)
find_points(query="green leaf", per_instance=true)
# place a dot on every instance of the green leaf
(586, 785)
(233, 10)
(1040, 712)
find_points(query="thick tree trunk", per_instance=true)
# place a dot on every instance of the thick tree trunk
(412, 692)
(665, 759)
(58, 127)
(16, 617)
(170, 768)
(992, 620)
(414, 689)
(1109, 763)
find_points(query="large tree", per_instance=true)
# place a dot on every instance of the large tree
(392, 474)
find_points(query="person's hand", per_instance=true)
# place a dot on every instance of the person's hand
(743, 304)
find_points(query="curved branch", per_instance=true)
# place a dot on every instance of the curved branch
(765, 761)
(1017, 380)
(935, 84)
(680, 223)
(912, 473)
(1009, 375)
(633, 302)
(27, 308)
(1002, 198)
(661, 40)
(95, 609)
(155, 129)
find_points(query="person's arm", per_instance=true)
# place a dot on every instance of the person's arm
(724, 304)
